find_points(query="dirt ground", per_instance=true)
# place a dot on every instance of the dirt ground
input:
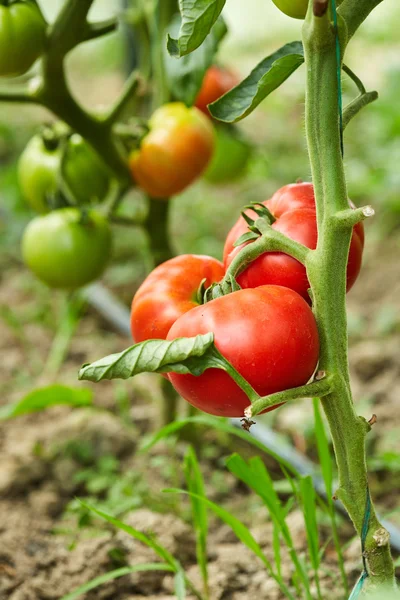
(42, 553)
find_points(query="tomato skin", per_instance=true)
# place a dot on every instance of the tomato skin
(294, 209)
(293, 8)
(170, 291)
(39, 169)
(268, 334)
(216, 83)
(22, 37)
(175, 152)
(65, 252)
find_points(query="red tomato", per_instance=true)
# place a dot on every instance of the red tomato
(268, 334)
(175, 152)
(294, 209)
(170, 291)
(215, 84)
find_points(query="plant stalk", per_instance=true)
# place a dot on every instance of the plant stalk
(326, 270)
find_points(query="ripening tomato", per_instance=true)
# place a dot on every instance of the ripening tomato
(39, 167)
(217, 81)
(294, 209)
(170, 291)
(175, 152)
(66, 248)
(293, 8)
(22, 37)
(268, 334)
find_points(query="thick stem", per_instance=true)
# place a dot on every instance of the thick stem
(355, 13)
(157, 229)
(326, 270)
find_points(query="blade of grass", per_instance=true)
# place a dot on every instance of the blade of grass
(307, 493)
(195, 484)
(325, 460)
(111, 575)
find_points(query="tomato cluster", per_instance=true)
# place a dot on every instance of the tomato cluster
(266, 330)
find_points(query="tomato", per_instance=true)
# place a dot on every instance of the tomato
(216, 83)
(268, 334)
(293, 8)
(175, 152)
(22, 37)
(294, 209)
(66, 248)
(230, 158)
(170, 291)
(39, 171)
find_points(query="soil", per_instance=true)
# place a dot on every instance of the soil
(44, 555)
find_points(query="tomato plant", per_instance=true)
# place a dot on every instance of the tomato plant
(46, 158)
(252, 330)
(217, 81)
(175, 152)
(67, 248)
(293, 8)
(293, 207)
(170, 291)
(22, 37)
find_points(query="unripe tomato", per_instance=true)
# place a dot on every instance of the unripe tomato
(294, 209)
(175, 152)
(39, 170)
(293, 8)
(22, 37)
(170, 291)
(230, 158)
(217, 81)
(268, 334)
(66, 248)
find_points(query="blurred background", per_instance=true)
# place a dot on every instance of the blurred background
(46, 335)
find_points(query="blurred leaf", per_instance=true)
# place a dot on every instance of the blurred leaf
(268, 75)
(53, 395)
(310, 518)
(197, 20)
(324, 454)
(182, 355)
(179, 585)
(111, 575)
(195, 485)
(221, 425)
(186, 75)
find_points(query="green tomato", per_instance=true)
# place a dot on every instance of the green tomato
(230, 157)
(293, 8)
(22, 37)
(39, 171)
(66, 248)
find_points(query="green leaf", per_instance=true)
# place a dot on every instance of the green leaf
(324, 454)
(221, 425)
(42, 398)
(197, 20)
(182, 355)
(268, 75)
(138, 535)
(195, 485)
(111, 575)
(310, 517)
(180, 585)
(249, 236)
(185, 76)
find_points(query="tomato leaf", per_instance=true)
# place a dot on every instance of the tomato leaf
(41, 398)
(197, 20)
(185, 76)
(268, 75)
(182, 355)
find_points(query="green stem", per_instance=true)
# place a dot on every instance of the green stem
(316, 388)
(326, 270)
(355, 13)
(157, 229)
(356, 105)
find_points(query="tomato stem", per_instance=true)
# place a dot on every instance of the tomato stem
(326, 271)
